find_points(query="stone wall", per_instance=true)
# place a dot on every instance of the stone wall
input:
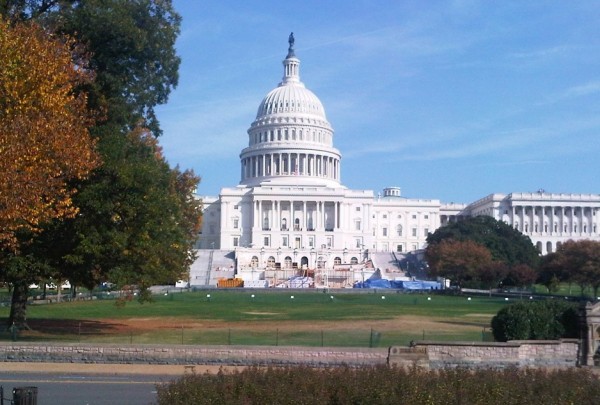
(530, 353)
(434, 355)
(189, 355)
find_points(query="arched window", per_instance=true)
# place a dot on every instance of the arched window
(287, 262)
(271, 262)
(353, 260)
(297, 224)
(548, 247)
(266, 224)
(337, 261)
(284, 224)
(254, 261)
(399, 230)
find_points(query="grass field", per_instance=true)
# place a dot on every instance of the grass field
(266, 318)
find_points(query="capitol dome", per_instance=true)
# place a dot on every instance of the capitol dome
(290, 141)
(291, 98)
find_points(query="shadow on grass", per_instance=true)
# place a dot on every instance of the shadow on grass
(63, 329)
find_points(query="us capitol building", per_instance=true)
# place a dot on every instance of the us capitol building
(290, 215)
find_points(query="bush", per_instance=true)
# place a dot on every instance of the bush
(383, 385)
(537, 320)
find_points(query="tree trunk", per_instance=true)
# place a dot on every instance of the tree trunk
(18, 307)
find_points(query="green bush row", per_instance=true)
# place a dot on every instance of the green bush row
(536, 320)
(383, 385)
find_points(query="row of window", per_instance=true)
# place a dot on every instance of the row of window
(399, 231)
(290, 135)
(557, 211)
(565, 228)
(399, 216)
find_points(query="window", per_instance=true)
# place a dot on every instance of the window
(414, 232)
(357, 209)
(284, 224)
(399, 216)
(236, 241)
(399, 248)
(254, 261)
(384, 216)
(284, 241)
(425, 232)
(399, 230)
(236, 223)
(311, 241)
(236, 207)
(426, 216)
(384, 232)
(357, 224)
(266, 241)
(414, 216)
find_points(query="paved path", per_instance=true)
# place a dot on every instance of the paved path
(148, 369)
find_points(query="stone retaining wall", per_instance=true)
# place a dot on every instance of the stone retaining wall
(530, 353)
(435, 355)
(190, 355)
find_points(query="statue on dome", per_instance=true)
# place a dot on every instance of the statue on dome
(291, 48)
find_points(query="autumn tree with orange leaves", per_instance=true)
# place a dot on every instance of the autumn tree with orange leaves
(44, 139)
(44, 145)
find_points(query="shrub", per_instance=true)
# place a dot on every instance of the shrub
(384, 385)
(537, 320)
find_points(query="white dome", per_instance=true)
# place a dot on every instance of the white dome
(290, 141)
(292, 98)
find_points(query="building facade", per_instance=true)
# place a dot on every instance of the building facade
(290, 209)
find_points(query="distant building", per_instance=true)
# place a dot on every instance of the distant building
(291, 211)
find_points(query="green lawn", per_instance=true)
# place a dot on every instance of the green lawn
(233, 306)
(309, 318)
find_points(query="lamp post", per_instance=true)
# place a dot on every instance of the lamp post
(312, 257)
(295, 255)
(345, 253)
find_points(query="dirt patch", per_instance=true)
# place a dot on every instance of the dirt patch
(261, 313)
(123, 326)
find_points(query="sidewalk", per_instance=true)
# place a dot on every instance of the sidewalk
(114, 369)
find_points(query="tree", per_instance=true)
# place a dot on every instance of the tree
(44, 138)
(520, 275)
(140, 219)
(133, 54)
(492, 274)
(574, 261)
(537, 320)
(137, 218)
(458, 261)
(504, 243)
(44, 142)
(132, 47)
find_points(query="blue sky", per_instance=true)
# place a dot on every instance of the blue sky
(449, 100)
